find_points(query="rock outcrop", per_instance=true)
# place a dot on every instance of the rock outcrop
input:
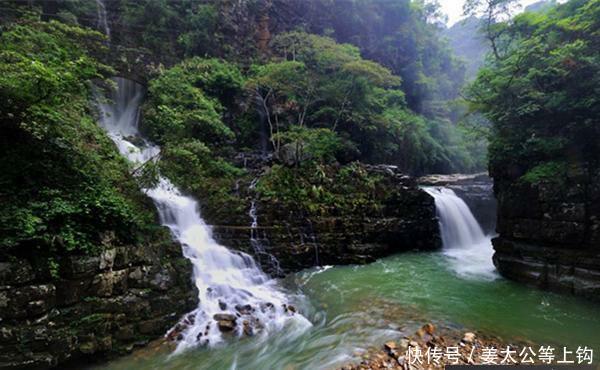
(477, 192)
(549, 231)
(405, 221)
(94, 307)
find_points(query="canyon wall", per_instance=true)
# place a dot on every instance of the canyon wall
(549, 231)
(95, 307)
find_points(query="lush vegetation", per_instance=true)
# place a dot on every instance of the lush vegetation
(325, 90)
(63, 186)
(323, 190)
(185, 113)
(541, 92)
(401, 37)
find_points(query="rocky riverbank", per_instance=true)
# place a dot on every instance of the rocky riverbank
(432, 348)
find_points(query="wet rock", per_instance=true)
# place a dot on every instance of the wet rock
(78, 266)
(27, 301)
(244, 309)
(224, 317)
(190, 319)
(17, 272)
(225, 325)
(248, 330)
(107, 259)
(404, 343)
(429, 328)
(104, 284)
(175, 331)
(226, 322)
(390, 346)
(468, 337)
(550, 228)
(404, 220)
(94, 308)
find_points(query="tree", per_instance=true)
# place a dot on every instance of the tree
(542, 96)
(495, 15)
(283, 89)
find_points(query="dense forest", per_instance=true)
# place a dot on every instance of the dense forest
(302, 132)
(328, 89)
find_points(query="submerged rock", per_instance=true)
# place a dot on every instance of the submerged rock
(244, 309)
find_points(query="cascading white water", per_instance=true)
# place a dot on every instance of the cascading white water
(102, 17)
(228, 283)
(469, 249)
(257, 245)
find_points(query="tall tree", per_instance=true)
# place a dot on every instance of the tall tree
(495, 14)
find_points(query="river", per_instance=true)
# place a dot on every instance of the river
(350, 308)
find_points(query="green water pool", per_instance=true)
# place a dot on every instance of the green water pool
(354, 307)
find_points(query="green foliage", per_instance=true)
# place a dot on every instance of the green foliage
(543, 95)
(319, 189)
(401, 35)
(313, 82)
(187, 101)
(65, 187)
(184, 112)
(553, 171)
(318, 144)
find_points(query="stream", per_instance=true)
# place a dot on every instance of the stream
(345, 309)
(355, 307)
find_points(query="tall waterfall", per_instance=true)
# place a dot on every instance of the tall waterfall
(468, 248)
(229, 284)
(102, 17)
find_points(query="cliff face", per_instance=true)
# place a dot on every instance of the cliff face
(549, 232)
(100, 306)
(405, 220)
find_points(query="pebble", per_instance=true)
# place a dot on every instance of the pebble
(468, 337)
(429, 328)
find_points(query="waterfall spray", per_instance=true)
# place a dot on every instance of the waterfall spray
(469, 249)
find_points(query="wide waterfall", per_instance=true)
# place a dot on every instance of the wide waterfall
(230, 284)
(469, 249)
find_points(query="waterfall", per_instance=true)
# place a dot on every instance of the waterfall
(255, 241)
(469, 249)
(103, 18)
(231, 287)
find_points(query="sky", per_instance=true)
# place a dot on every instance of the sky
(453, 8)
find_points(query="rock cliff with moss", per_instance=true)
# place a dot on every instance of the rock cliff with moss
(541, 97)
